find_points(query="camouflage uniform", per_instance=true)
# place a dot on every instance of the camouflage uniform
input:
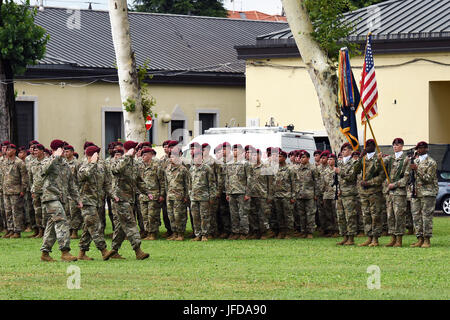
(176, 179)
(359, 214)
(372, 198)
(224, 221)
(260, 189)
(15, 181)
(202, 192)
(347, 201)
(36, 182)
(126, 182)
(214, 206)
(283, 192)
(236, 175)
(305, 186)
(153, 176)
(423, 205)
(108, 200)
(329, 218)
(76, 218)
(323, 216)
(55, 186)
(94, 183)
(398, 170)
(164, 162)
(30, 218)
(3, 225)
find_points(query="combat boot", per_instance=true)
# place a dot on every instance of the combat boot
(197, 239)
(243, 237)
(204, 238)
(366, 243)
(309, 236)
(233, 236)
(141, 255)
(340, 243)
(117, 256)
(105, 254)
(46, 257)
(8, 234)
(419, 243)
(82, 256)
(393, 241)
(152, 236)
(74, 234)
(66, 256)
(15, 235)
(41, 233)
(374, 242)
(398, 242)
(36, 232)
(281, 235)
(360, 234)
(109, 254)
(426, 243)
(180, 237)
(173, 236)
(350, 241)
(224, 235)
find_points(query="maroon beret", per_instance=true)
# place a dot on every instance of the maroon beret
(55, 144)
(292, 153)
(206, 145)
(47, 151)
(130, 145)
(69, 147)
(317, 152)
(111, 145)
(118, 143)
(356, 153)
(332, 155)
(195, 145)
(346, 145)
(398, 141)
(39, 146)
(165, 143)
(88, 144)
(248, 147)
(283, 153)
(118, 151)
(146, 150)
(91, 150)
(226, 145)
(12, 146)
(325, 153)
(370, 141)
(146, 144)
(304, 153)
(22, 148)
(172, 143)
(422, 144)
(6, 143)
(32, 143)
(237, 146)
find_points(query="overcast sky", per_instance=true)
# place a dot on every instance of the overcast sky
(266, 6)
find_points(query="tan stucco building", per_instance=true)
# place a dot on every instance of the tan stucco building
(412, 65)
(73, 94)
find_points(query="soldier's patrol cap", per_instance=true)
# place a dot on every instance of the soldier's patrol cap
(88, 144)
(91, 150)
(40, 147)
(317, 152)
(146, 150)
(346, 145)
(422, 144)
(398, 141)
(332, 155)
(5, 143)
(206, 146)
(325, 153)
(69, 147)
(370, 141)
(55, 144)
(237, 146)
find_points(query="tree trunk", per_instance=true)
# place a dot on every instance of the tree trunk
(8, 121)
(127, 72)
(320, 69)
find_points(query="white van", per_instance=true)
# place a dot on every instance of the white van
(259, 137)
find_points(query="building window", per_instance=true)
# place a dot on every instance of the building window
(174, 126)
(207, 121)
(114, 128)
(25, 122)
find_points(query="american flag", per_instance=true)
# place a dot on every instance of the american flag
(369, 91)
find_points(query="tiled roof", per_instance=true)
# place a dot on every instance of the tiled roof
(169, 42)
(392, 20)
(255, 15)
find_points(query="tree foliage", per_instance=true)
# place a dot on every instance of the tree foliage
(22, 42)
(357, 4)
(211, 8)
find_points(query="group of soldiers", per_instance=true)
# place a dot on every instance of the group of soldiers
(239, 193)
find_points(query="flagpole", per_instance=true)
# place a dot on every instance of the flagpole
(373, 135)
(364, 159)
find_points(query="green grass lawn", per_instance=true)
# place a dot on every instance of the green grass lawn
(224, 269)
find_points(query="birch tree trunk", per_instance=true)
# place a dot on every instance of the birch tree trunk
(127, 72)
(320, 69)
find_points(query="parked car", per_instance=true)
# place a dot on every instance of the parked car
(443, 197)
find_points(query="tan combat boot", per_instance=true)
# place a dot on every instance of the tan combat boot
(7, 234)
(41, 233)
(233, 236)
(426, 243)
(116, 255)
(309, 236)
(15, 235)
(393, 241)
(398, 242)
(374, 242)
(74, 234)
(419, 243)
(46, 257)
(366, 243)
(173, 236)
(66, 256)
(82, 256)
(152, 236)
(141, 255)
(180, 237)
(340, 243)
(105, 254)
(197, 239)
(350, 241)
(204, 238)
(360, 234)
